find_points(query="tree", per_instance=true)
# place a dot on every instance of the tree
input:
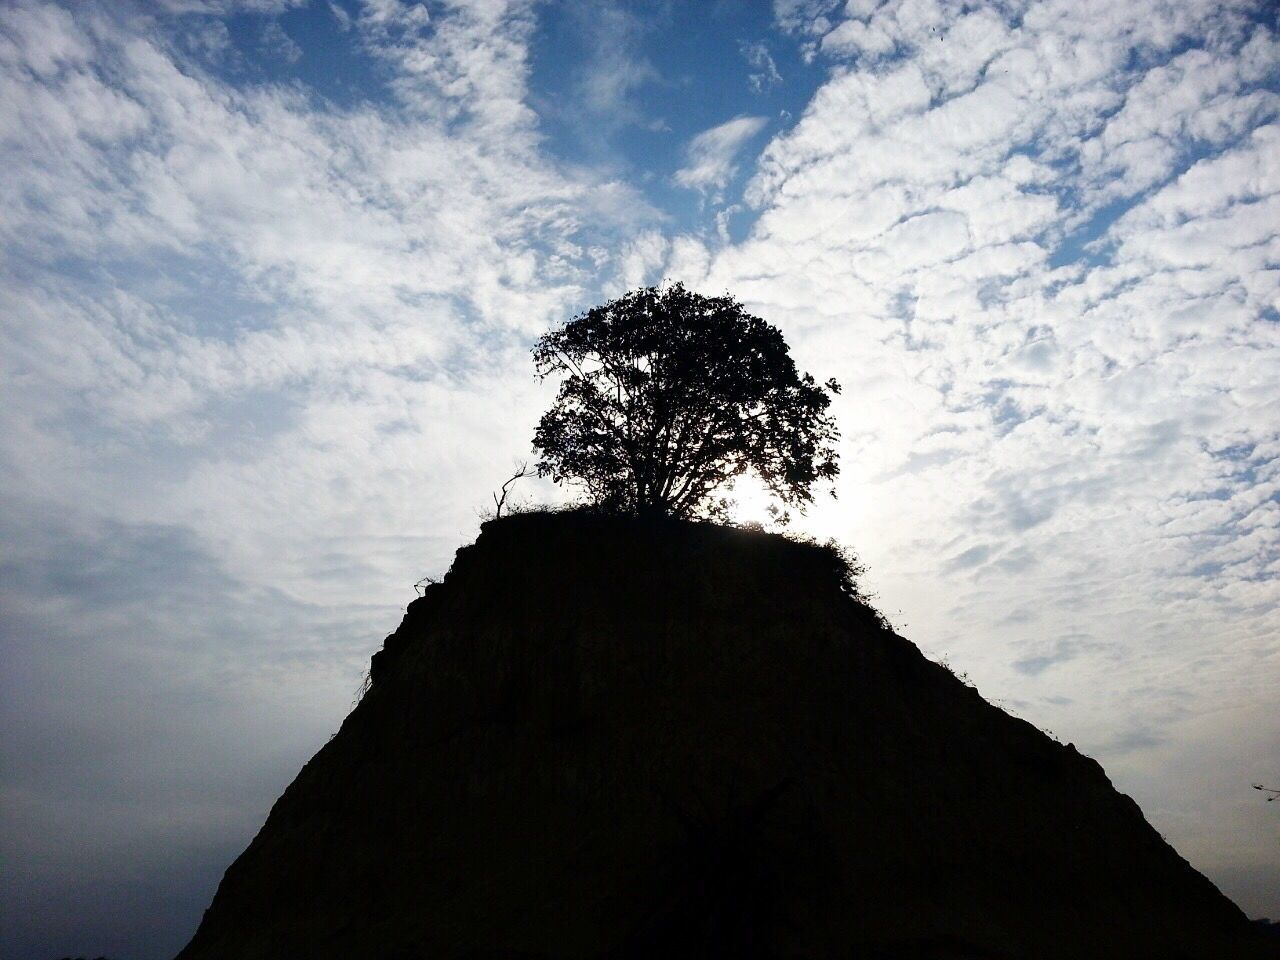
(669, 396)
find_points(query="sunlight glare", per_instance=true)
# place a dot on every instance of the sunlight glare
(752, 499)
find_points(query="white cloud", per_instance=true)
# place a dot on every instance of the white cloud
(805, 16)
(855, 37)
(640, 259)
(761, 61)
(280, 44)
(710, 156)
(614, 70)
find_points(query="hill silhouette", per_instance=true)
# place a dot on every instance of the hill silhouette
(602, 737)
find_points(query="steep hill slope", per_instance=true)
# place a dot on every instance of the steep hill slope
(606, 738)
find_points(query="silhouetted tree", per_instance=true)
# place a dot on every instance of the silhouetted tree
(669, 395)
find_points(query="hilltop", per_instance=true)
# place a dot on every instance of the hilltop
(607, 737)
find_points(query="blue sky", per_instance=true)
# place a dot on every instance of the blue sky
(271, 271)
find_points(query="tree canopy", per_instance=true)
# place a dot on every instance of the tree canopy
(669, 396)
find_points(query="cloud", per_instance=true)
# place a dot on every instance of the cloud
(467, 66)
(615, 70)
(709, 157)
(760, 60)
(804, 15)
(133, 663)
(340, 15)
(853, 37)
(279, 43)
(1063, 650)
(969, 558)
(226, 7)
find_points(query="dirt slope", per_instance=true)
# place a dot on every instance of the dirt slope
(605, 738)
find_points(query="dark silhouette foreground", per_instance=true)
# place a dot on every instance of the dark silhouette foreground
(605, 737)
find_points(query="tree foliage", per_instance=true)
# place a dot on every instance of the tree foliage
(668, 396)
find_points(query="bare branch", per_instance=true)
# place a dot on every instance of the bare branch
(500, 501)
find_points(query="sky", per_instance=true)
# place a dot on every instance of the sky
(269, 276)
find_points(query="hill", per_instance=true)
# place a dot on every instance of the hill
(601, 737)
